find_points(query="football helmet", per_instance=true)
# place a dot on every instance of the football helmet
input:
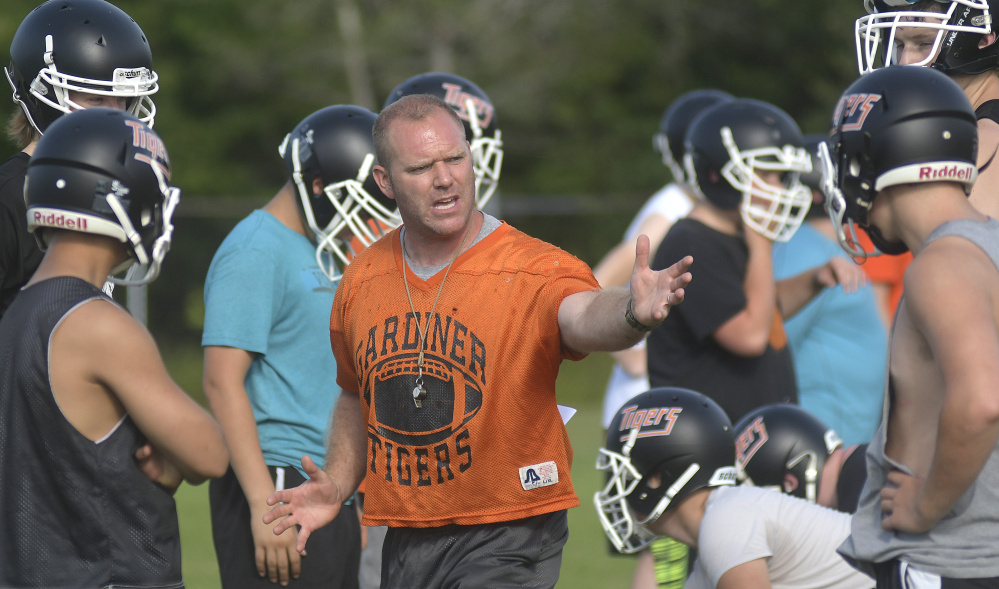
(956, 31)
(673, 127)
(351, 212)
(103, 171)
(729, 144)
(683, 437)
(80, 45)
(895, 125)
(475, 110)
(783, 446)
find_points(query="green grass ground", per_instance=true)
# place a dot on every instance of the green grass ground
(586, 563)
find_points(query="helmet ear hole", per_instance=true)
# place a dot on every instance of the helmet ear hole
(791, 483)
(854, 167)
(654, 481)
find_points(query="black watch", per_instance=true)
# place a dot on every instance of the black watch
(629, 316)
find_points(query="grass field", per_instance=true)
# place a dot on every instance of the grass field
(586, 563)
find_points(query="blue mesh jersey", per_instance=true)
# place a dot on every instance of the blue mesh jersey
(73, 512)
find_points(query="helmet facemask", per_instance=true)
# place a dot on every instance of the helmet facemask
(52, 88)
(876, 33)
(146, 254)
(487, 157)
(775, 212)
(846, 229)
(625, 533)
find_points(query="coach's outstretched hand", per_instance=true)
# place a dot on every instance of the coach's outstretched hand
(311, 505)
(654, 292)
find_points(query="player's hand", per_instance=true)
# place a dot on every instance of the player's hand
(311, 505)
(756, 240)
(275, 555)
(900, 504)
(654, 292)
(843, 272)
(158, 468)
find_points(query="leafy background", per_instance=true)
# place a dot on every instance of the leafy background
(579, 87)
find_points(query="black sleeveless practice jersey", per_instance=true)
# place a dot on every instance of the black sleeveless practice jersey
(73, 512)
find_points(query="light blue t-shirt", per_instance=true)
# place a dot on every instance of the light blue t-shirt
(265, 294)
(838, 342)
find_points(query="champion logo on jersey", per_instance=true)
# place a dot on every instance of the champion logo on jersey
(538, 475)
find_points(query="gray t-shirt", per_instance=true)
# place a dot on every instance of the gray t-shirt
(963, 544)
(797, 539)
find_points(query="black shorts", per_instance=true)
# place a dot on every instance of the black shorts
(334, 551)
(506, 555)
(895, 574)
(852, 476)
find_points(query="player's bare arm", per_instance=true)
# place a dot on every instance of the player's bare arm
(317, 502)
(797, 291)
(224, 385)
(593, 321)
(102, 345)
(958, 327)
(748, 575)
(747, 333)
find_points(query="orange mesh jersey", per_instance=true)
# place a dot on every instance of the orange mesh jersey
(488, 443)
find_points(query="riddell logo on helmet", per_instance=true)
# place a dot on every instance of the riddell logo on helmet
(944, 172)
(61, 221)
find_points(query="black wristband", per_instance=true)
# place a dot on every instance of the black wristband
(629, 316)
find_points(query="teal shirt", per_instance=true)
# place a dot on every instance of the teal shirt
(838, 342)
(265, 294)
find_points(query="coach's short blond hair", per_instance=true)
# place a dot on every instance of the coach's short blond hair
(413, 107)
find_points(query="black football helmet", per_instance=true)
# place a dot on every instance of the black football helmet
(729, 143)
(895, 125)
(674, 123)
(80, 45)
(334, 144)
(475, 110)
(783, 446)
(956, 28)
(678, 434)
(103, 171)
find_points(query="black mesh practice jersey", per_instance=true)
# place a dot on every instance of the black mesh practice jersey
(73, 512)
(19, 253)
